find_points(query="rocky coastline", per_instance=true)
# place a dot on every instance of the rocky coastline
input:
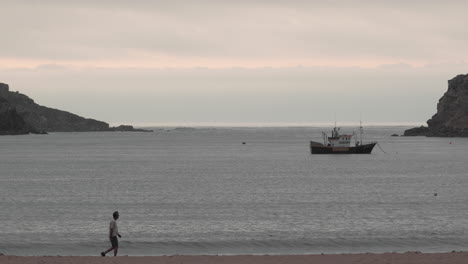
(451, 119)
(19, 115)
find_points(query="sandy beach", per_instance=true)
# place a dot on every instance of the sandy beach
(387, 258)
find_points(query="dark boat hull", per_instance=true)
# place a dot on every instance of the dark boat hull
(361, 149)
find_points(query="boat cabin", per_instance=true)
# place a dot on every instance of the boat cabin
(337, 140)
(340, 141)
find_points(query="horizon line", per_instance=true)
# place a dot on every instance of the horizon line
(267, 124)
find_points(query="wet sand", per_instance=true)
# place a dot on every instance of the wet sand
(384, 258)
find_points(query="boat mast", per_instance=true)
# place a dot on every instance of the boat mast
(335, 120)
(360, 129)
(335, 130)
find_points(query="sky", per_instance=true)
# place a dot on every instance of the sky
(217, 62)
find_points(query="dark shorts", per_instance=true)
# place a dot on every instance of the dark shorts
(114, 241)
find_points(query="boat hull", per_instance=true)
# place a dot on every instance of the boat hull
(361, 149)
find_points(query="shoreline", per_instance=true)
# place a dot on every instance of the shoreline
(374, 258)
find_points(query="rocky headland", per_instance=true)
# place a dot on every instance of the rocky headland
(11, 123)
(451, 119)
(19, 114)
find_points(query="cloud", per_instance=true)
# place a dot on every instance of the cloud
(50, 67)
(303, 32)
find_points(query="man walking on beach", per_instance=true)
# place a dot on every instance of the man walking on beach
(113, 233)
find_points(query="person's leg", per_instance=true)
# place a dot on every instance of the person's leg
(116, 249)
(107, 251)
(115, 245)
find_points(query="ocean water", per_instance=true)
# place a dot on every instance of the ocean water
(201, 191)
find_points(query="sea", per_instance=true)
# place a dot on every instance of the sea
(229, 191)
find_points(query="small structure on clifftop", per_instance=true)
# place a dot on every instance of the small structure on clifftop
(4, 90)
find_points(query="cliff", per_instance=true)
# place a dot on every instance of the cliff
(451, 119)
(37, 118)
(11, 123)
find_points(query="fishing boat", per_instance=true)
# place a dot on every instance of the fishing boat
(341, 144)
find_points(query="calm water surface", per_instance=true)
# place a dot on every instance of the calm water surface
(201, 191)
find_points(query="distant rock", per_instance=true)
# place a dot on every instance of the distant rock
(21, 115)
(417, 131)
(126, 128)
(451, 119)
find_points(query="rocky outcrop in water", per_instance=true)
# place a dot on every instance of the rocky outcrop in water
(451, 119)
(21, 115)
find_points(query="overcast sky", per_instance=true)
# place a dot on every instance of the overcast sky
(218, 62)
